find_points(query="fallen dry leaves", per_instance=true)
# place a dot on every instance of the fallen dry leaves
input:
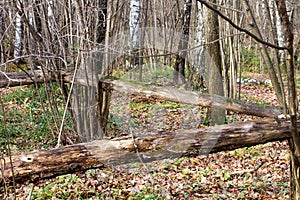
(259, 172)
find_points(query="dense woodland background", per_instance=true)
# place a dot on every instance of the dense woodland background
(228, 48)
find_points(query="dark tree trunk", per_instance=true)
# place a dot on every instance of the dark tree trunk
(103, 96)
(293, 100)
(179, 68)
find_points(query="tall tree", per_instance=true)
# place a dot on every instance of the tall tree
(134, 22)
(19, 30)
(2, 54)
(293, 100)
(179, 68)
(214, 68)
(196, 71)
(103, 96)
(276, 37)
(233, 49)
(91, 123)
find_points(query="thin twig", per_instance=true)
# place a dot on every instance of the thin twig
(239, 28)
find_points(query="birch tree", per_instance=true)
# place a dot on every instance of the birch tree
(197, 72)
(276, 37)
(19, 30)
(134, 21)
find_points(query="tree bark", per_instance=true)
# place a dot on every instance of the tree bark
(19, 32)
(196, 72)
(134, 22)
(151, 146)
(272, 13)
(103, 96)
(293, 100)
(179, 68)
(214, 67)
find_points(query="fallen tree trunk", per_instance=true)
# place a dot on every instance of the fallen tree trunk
(149, 147)
(22, 78)
(192, 98)
(163, 93)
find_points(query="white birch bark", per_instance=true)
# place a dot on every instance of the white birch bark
(134, 22)
(18, 33)
(197, 72)
(280, 34)
(50, 8)
(200, 40)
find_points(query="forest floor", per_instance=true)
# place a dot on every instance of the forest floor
(258, 172)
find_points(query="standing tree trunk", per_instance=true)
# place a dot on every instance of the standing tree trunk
(234, 43)
(19, 31)
(179, 68)
(2, 30)
(91, 104)
(214, 65)
(196, 71)
(272, 15)
(103, 96)
(134, 22)
(295, 141)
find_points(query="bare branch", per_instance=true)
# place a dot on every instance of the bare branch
(239, 28)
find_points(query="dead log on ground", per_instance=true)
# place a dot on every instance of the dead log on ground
(151, 146)
(191, 98)
(22, 78)
(163, 93)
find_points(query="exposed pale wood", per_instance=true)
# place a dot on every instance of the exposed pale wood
(151, 146)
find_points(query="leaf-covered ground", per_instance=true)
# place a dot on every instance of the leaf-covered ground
(259, 172)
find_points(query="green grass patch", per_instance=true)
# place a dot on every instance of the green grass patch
(251, 60)
(30, 115)
(150, 74)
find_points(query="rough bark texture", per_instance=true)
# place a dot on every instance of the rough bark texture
(103, 96)
(179, 68)
(214, 67)
(150, 147)
(293, 100)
